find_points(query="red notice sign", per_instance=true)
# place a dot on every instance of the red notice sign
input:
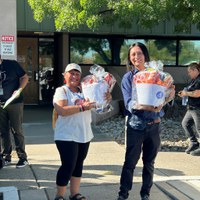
(7, 45)
(7, 38)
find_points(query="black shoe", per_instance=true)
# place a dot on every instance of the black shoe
(120, 198)
(21, 163)
(145, 197)
(7, 159)
(2, 162)
(195, 152)
(192, 147)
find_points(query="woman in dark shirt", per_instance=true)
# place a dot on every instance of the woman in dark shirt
(143, 128)
(192, 116)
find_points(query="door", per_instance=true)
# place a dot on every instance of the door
(46, 70)
(27, 56)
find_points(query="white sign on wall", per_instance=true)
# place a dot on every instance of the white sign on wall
(7, 45)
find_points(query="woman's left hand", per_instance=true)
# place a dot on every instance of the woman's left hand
(87, 105)
(182, 93)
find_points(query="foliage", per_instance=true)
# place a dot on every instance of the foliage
(72, 14)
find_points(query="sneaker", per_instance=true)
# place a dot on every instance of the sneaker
(2, 162)
(21, 163)
(120, 198)
(192, 147)
(145, 197)
(195, 152)
(7, 159)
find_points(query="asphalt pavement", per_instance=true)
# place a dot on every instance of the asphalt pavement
(177, 175)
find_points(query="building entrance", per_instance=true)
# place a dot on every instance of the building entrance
(36, 56)
(27, 56)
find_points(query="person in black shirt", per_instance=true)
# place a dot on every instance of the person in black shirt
(12, 79)
(192, 115)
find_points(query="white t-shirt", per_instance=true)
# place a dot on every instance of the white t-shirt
(76, 127)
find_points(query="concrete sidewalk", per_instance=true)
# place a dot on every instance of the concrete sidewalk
(177, 175)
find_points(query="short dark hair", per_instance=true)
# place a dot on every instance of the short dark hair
(144, 51)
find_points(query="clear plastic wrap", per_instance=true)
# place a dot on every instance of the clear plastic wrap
(152, 85)
(96, 85)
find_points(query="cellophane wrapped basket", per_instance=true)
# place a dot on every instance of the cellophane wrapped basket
(95, 86)
(152, 85)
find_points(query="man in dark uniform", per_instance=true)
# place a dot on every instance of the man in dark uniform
(13, 79)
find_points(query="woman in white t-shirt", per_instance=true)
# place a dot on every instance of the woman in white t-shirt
(72, 132)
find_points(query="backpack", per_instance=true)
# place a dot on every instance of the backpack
(55, 114)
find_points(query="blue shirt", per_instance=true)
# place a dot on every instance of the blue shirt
(127, 88)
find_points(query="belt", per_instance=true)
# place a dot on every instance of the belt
(156, 121)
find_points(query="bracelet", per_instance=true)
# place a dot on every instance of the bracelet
(81, 108)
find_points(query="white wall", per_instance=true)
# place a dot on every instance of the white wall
(8, 24)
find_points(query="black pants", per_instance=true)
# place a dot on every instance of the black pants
(148, 141)
(72, 155)
(11, 119)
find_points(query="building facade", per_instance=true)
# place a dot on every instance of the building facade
(43, 52)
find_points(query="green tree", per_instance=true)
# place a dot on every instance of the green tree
(72, 14)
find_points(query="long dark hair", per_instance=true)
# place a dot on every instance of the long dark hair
(194, 65)
(144, 51)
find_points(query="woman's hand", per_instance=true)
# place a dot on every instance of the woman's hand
(182, 93)
(87, 105)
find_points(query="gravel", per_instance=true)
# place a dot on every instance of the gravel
(172, 135)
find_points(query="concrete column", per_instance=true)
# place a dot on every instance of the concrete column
(8, 24)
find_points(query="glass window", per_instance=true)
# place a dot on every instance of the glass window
(189, 51)
(46, 69)
(113, 51)
(164, 50)
(90, 50)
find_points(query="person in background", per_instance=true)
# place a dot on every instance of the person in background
(12, 79)
(143, 128)
(192, 116)
(72, 133)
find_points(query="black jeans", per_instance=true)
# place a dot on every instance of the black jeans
(11, 119)
(148, 142)
(72, 155)
(192, 118)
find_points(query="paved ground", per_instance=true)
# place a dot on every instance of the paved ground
(177, 175)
